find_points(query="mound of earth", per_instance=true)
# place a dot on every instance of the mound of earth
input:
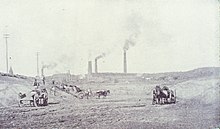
(127, 106)
(10, 86)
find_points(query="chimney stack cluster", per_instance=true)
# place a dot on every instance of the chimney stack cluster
(96, 64)
(90, 66)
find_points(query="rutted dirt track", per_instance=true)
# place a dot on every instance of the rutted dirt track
(126, 107)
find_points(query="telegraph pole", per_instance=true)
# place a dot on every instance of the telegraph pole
(38, 64)
(6, 36)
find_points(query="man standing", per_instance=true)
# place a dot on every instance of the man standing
(35, 82)
(43, 80)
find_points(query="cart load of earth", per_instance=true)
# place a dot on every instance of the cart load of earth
(78, 92)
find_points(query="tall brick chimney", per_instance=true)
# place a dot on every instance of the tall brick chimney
(96, 66)
(90, 67)
(125, 62)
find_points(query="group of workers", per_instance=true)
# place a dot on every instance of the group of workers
(37, 83)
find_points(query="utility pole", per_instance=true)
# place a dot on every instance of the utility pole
(6, 36)
(38, 64)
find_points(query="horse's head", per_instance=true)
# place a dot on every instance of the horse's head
(157, 90)
(154, 91)
(165, 88)
(157, 87)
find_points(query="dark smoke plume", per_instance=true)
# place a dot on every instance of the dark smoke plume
(134, 22)
(130, 42)
(49, 66)
(100, 56)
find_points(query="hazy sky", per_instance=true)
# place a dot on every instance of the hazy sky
(167, 35)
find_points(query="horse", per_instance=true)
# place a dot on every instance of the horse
(88, 93)
(160, 96)
(102, 93)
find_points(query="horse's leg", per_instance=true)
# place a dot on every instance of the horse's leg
(154, 100)
(87, 95)
(162, 101)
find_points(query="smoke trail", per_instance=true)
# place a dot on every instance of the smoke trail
(130, 42)
(100, 56)
(133, 27)
(49, 66)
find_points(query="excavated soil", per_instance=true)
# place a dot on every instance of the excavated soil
(128, 106)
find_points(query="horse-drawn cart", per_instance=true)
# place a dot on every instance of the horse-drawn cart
(36, 97)
(163, 95)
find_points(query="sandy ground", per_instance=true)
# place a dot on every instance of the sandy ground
(127, 107)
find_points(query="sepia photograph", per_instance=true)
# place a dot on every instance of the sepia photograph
(110, 64)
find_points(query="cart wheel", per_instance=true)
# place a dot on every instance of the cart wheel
(31, 103)
(36, 100)
(80, 95)
(20, 104)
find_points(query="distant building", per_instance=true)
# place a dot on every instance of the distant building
(65, 77)
(113, 77)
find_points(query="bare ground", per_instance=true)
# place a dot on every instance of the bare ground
(128, 106)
